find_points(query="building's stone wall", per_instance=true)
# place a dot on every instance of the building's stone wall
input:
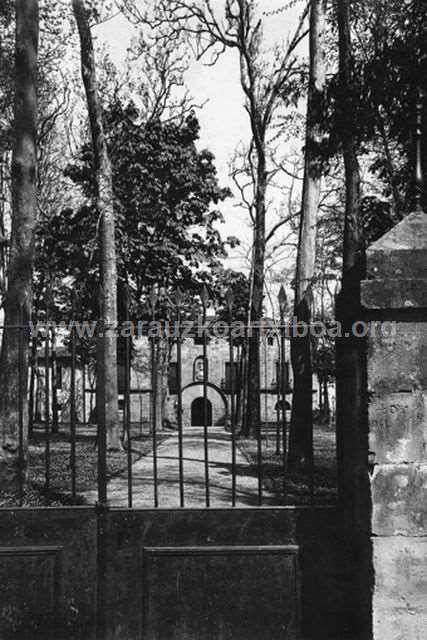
(217, 355)
(216, 399)
(140, 383)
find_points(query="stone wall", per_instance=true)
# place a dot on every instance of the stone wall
(217, 355)
(140, 383)
(382, 436)
(396, 291)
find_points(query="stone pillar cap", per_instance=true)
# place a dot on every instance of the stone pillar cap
(396, 267)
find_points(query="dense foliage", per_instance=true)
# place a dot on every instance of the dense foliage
(166, 194)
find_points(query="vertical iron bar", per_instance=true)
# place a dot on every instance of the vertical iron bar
(127, 412)
(73, 413)
(258, 427)
(312, 475)
(278, 399)
(141, 417)
(179, 408)
(284, 384)
(54, 383)
(84, 392)
(47, 433)
(245, 368)
(265, 345)
(205, 408)
(154, 410)
(21, 378)
(102, 434)
(233, 417)
(239, 385)
(32, 384)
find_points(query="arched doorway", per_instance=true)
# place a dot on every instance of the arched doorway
(217, 404)
(197, 412)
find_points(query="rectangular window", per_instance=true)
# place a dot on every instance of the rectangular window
(121, 372)
(286, 373)
(228, 377)
(173, 378)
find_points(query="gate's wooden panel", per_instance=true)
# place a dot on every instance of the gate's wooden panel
(206, 574)
(232, 593)
(215, 574)
(48, 574)
(31, 592)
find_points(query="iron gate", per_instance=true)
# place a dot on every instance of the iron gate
(229, 556)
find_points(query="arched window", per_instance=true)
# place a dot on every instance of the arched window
(199, 367)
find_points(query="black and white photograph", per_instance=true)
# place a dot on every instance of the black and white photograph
(213, 320)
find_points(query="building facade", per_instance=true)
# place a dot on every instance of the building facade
(218, 374)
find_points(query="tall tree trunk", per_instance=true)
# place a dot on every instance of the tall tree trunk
(19, 293)
(352, 427)
(301, 429)
(253, 407)
(107, 397)
(352, 238)
(163, 359)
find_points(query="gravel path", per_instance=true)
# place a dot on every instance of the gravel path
(220, 476)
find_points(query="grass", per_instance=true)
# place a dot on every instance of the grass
(298, 485)
(59, 492)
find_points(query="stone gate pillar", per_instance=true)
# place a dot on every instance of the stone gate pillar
(395, 291)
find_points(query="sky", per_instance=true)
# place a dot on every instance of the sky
(224, 123)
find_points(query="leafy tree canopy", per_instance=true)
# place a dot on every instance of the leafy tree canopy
(390, 54)
(166, 198)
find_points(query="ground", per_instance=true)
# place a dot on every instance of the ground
(60, 468)
(297, 488)
(219, 470)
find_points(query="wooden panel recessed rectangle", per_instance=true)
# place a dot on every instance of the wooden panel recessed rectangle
(29, 592)
(221, 593)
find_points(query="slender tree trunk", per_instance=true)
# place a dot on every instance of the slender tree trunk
(319, 385)
(326, 404)
(352, 431)
(352, 249)
(107, 397)
(163, 359)
(301, 429)
(19, 292)
(253, 405)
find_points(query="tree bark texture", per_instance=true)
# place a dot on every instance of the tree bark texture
(253, 407)
(19, 292)
(348, 127)
(107, 396)
(301, 429)
(352, 440)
